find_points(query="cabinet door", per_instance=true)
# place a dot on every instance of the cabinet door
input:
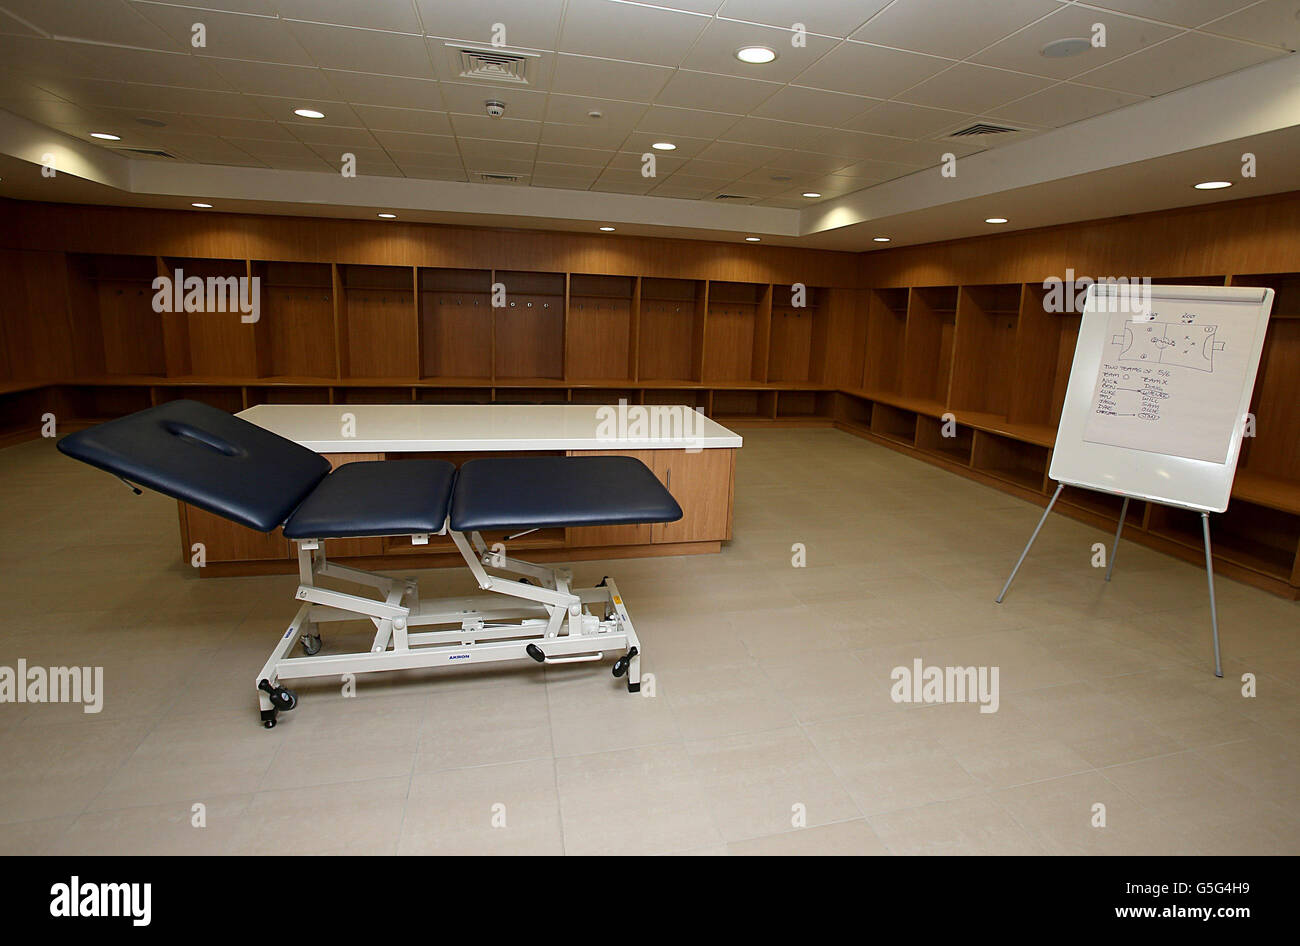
(701, 483)
(594, 536)
(226, 541)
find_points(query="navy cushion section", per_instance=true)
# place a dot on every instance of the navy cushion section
(206, 457)
(376, 497)
(550, 492)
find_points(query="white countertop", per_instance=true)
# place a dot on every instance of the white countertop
(403, 428)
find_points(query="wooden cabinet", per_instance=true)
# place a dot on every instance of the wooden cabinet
(701, 483)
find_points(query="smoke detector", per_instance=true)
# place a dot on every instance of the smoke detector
(495, 108)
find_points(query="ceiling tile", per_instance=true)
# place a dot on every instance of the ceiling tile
(425, 160)
(368, 160)
(1275, 22)
(341, 47)
(682, 190)
(396, 92)
(590, 135)
(230, 35)
(716, 51)
(827, 17)
(476, 149)
(873, 171)
(282, 110)
(1064, 104)
(153, 67)
(264, 78)
(814, 106)
(623, 182)
(574, 109)
(9, 24)
(955, 30)
(1181, 12)
(420, 121)
(1124, 35)
(46, 57)
(266, 150)
(631, 82)
(311, 162)
(628, 31)
(233, 127)
(812, 163)
(774, 134)
(870, 70)
(639, 142)
(717, 170)
(487, 164)
(665, 164)
(495, 129)
(970, 88)
(571, 174)
(704, 90)
(1177, 63)
(472, 99)
(420, 172)
(534, 24)
(739, 153)
(582, 157)
(852, 144)
(395, 15)
(929, 153)
(697, 123)
(905, 121)
(411, 143)
(102, 21)
(333, 135)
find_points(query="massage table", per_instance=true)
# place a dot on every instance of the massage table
(232, 468)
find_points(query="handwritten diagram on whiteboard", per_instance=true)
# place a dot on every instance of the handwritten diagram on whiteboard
(1170, 378)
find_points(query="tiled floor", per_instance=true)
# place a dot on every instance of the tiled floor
(772, 692)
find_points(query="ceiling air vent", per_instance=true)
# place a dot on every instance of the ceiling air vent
(732, 197)
(983, 128)
(490, 178)
(151, 152)
(496, 65)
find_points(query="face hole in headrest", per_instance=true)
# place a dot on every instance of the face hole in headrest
(202, 438)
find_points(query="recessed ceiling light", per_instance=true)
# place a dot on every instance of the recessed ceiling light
(880, 239)
(105, 136)
(1212, 185)
(752, 239)
(388, 216)
(664, 146)
(1064, 48)
(308, 113)
(202, 206)
(607, 229)
(811, 194)
(995, 219)
(756, 55)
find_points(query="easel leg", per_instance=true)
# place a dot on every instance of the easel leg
(1123, 511)
(1028, 545)
(1214, 610)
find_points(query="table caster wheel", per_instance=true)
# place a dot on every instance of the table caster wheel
(621, 665)
(269, 723)
(536, 653)
(281, 698)
(311, 645)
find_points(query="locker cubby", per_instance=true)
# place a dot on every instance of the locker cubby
(893, 423)
(672, 330)
(987, 318)
(798, 343)
(298, 319)
(528, 330)
(111, 305)
(737, 331)
(456, 324)
(930, 438)
(886, 339)
(1022, 464)
(600, 327)
(377, 321)
(928, 354)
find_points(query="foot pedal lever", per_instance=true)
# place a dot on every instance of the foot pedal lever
(536, 653)
(621, 665)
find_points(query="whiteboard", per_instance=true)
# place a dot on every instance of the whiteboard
(1159, 390)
